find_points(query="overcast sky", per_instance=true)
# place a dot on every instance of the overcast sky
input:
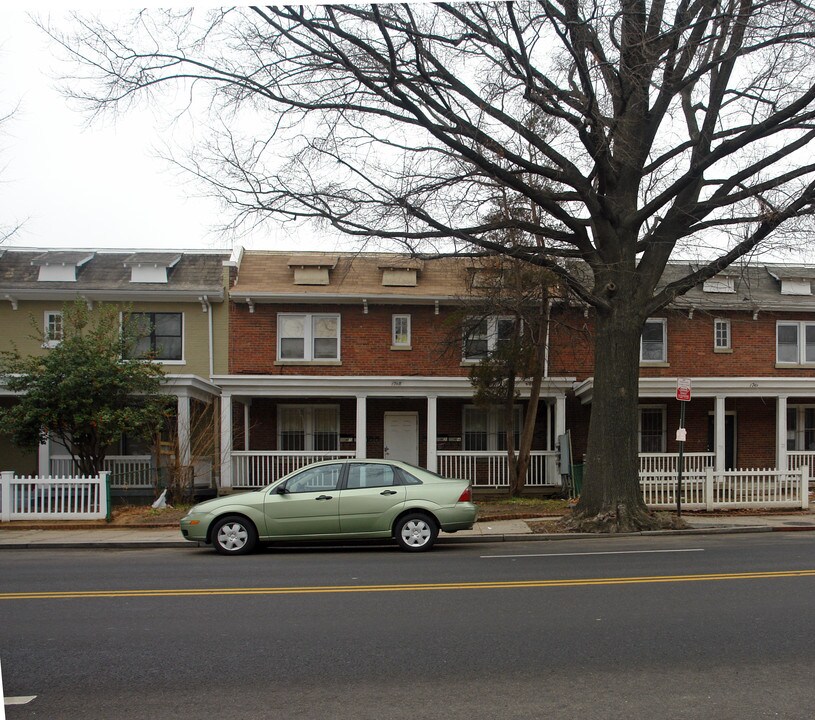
(94, 187)
(104, 185)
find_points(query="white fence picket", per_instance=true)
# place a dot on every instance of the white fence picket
(490, 469)
(257, 468)
(45, 498)
(753, 488)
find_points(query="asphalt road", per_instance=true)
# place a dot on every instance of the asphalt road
(673, 627)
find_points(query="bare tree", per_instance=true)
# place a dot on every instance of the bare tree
(516, 297)
(7, 228)
(197, 444)
(670, 126)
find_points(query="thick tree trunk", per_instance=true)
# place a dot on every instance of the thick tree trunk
(611, 499)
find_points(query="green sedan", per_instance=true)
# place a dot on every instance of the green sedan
(337, 499)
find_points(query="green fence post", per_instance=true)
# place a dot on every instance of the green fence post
(105, 475)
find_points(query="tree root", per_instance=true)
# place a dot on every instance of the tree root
(622, 520)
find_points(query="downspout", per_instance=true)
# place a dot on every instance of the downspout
(205, 301)
(546, 343)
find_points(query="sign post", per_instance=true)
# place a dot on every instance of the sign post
(683, 395)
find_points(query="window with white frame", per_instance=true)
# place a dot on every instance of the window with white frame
(308, 427)
(400, 334)
(485, 429)
(654, 341)
(800, 427)
(308, 337)
(651, 431)
(52, 325)
(721, 334)
(483, 336)
(795, 342)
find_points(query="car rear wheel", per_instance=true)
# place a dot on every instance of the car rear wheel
(234, 536)
(416, 532)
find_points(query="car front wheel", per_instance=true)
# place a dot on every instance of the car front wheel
(416, 532)
(234, 536)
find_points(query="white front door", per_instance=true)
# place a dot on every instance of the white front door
(402, 437)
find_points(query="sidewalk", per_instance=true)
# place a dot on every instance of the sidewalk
(485, 531)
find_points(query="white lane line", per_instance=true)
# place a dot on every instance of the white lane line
(608, 552)
(20, 700)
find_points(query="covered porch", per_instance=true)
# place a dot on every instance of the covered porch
(273, 425)
(737, 423)
(189, 442)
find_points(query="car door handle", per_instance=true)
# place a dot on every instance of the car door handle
(323, 497)
(388, 492)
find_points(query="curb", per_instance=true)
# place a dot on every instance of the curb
(105, 545)
(537, 537)
(450, 539)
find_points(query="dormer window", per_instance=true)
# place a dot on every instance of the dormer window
(60, 266)
(312, 269)
(720, 284)
(794, 279)
(486, 278)
(400, 272)
(151, 267)
(796, 286)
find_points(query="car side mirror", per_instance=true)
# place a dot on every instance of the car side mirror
(281, 489)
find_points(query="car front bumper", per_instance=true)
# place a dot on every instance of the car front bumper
(194, 528)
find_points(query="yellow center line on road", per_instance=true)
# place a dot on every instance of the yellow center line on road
(498, 585)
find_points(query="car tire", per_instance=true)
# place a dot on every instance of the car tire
(234, 535)
(415, 532)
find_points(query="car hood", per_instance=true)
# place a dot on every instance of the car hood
(214, 504)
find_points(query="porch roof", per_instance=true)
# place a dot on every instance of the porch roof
(711, 387)
(313, 386)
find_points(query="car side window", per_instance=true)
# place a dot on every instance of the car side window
(408, 479)
(317, 479)
(370, 476)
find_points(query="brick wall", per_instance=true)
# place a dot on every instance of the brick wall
(690, 346)
(365, 341)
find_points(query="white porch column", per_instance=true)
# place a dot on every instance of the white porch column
(560, 415)
(247, 404)
(226, 440)
(718, 433)
(362, 426)
(781, 433)
(183, 430)
(432, 432)
(44, 458)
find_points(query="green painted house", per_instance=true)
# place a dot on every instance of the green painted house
(182, 297)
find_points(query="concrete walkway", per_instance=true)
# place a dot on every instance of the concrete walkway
(485, 531)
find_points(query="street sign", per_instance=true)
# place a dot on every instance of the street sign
(683, 389)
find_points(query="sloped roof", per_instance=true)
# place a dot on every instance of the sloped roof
(354, 275)
(62, 257)
(105, 274)
(757, 287)
(791, 272)
(152, 258)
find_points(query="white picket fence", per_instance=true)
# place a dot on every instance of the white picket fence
(491, 469)
(711, 490)
(126, 471)
(49, 498)
(256, 468)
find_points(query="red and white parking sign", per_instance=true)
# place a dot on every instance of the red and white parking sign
(683, 389)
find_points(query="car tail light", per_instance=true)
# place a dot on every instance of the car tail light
(467, 495)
